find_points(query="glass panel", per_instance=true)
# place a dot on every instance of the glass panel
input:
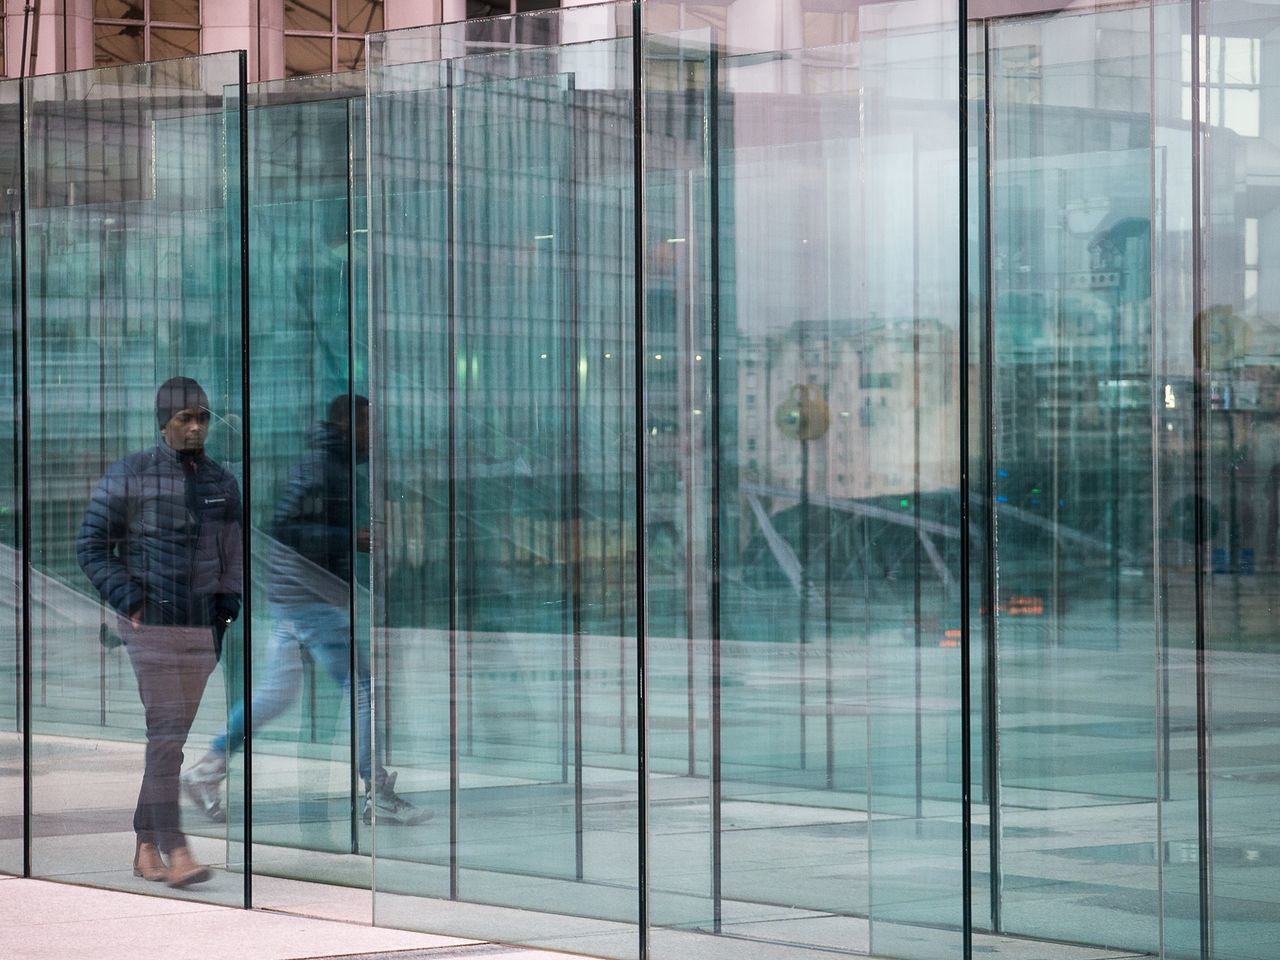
(1071, 302)
(984, 835)
(679, 365)
(503, 318)
(360, 16)
(167, 43)
(1176, 501)
(307, 55)
(1239, 350)
(910, 360)
(801, 385)
(308, 15)
(11, 780)
(136, 550)
(412, 606)
(512, 142)
(176, 11)
(310, 505)
(114, 44)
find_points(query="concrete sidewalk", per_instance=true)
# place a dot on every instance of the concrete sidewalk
(40, 920)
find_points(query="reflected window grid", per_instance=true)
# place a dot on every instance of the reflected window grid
(1231, 81)
(327, 36)
(136, 31)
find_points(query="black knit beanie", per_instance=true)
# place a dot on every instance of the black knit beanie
(177, 394)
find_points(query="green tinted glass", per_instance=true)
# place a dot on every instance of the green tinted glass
(133, 273)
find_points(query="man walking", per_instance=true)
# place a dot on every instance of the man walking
(161, 543)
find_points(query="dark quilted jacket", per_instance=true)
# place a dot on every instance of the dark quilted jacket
(311, 529)
(165, 538)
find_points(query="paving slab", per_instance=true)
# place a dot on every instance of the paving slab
(40, 920)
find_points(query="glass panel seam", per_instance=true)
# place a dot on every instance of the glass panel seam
(962, 359)
(246, 476)
(638, 108)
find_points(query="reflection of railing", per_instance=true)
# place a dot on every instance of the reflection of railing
(789, 562)
(63, 605)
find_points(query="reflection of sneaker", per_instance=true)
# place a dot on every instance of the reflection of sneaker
(203, 785)
(390, 807)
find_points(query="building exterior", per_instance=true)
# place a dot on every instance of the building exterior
(283, 38)
(820, 499)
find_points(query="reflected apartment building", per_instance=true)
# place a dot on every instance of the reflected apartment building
(822, 500)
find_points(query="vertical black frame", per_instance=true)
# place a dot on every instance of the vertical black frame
(966, 555)
(24, 345)
(987, 612)
(353, 683)
(1200, 481)
(451, 293)
(639, 113)
(246, 612)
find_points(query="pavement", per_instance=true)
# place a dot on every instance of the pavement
(46, 920)
(41, 920)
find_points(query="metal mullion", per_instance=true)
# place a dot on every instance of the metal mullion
(1200, 478)
(246, 630)
(353, 663)
(987, 616)
(451, 176)
(575, 472)
(640, 463)
(966, 720)
(711, 147)
(24, 406)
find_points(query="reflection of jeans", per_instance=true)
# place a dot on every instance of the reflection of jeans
(324, 631)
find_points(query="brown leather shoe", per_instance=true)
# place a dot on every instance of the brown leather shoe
(184, 871)
(148, 864)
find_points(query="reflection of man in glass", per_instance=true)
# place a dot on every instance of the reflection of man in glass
(161, 542)
(310, 595)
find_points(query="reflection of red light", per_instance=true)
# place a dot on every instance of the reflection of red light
(951, 633)
(1025, 607)
(949, 643)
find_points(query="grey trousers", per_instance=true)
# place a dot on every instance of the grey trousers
(172, 665)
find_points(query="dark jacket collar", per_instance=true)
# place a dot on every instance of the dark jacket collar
(169, 453)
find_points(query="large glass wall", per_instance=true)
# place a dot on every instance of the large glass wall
(1070, 272)
(309, 510)
(759, 480)
(503, 382)
(132, 254)
(787, 592)
(802, 291)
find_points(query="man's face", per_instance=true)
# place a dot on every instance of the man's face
(186, 430)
